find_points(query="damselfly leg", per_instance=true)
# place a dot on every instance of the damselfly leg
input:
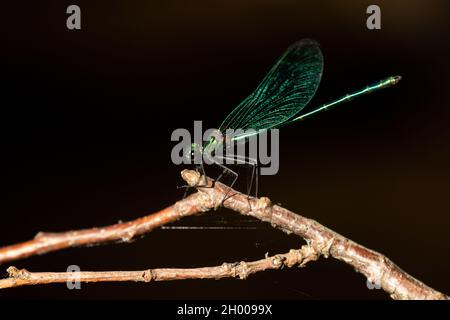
(241, 160)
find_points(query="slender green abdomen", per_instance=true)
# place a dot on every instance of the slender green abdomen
(369, 89)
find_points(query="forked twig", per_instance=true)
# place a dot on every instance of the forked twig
(321, 242)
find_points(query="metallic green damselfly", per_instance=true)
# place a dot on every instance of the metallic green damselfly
(279, 99)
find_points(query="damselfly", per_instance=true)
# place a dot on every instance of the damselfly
(277, 101)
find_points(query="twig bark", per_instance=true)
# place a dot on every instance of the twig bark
(322, 241)
(377, 268)
(239, 270)
(45, 242)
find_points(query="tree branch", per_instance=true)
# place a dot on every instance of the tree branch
(322, 241)
(45, 242)
(376, 267)
(239, 270)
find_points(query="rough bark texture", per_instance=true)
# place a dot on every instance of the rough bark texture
(239, 270)
(321, 242)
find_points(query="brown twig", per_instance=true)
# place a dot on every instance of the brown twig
(45, 242)
(377, 268)
(239, 270)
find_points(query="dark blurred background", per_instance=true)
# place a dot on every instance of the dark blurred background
(87, 117)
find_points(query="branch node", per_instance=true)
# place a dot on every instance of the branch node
(262, 204)
(242, 270)
(38, 235)
(308, 253)
(191, 177)
(278, 261)
(293, 257)
(128, 236)
(43, 235)
(148, 275)
(325, 247)
(18, 274)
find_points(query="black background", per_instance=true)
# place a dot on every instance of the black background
(87, 117)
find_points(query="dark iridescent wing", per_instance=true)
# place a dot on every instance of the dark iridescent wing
(285, 90)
